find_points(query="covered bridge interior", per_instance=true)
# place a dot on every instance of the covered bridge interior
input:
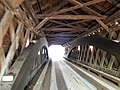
(89, 30)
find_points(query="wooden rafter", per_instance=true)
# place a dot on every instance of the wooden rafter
(92, 2)
(60, 11)
(13, 4)
(62, 35)
(74, 17)
(63, 24)
(53, 37)
(48, 4)
(68, 17)
(96, 27)
(77, 22)
(103, 25)
(87, 9)
(19, 14)
(112, 1)
(64, 29)
(72, 8)
(29, 9)
(41, 23)
(57, 7)
(107, 21)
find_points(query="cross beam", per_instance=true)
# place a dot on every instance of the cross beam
(13, 3)
(73, 8)
(64, 29)
(87, 9)
(63, 24)
(41, 23)
(74, 17)
(103, 25)
(67, 17)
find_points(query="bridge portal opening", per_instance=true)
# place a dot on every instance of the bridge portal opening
(56, 52)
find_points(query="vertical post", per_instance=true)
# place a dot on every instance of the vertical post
(97, 56)
(85, 48)
(25, 40)
(31, 37)
(112, 59)
(18, 33)
(12, 31)
(87, 57)
(82, 53)
(2, 59)
(92, 56)
(103, 59)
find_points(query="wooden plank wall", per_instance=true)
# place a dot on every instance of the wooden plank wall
(15, 32)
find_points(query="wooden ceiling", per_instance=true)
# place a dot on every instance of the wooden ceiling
(61, 21)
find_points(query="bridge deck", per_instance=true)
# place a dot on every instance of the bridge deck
(63, 75)
(68, 79)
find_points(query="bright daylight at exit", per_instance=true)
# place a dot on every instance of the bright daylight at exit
(56, 52)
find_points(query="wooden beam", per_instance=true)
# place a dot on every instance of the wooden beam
(75, 2)
(1, 36)
(75, 17)
(92, 2)
(64, 29)
(38, 2)
(20, 15)
(56, 7)
(107, 21)
(41, 23)
(72, 8)
(53, 37)
(86, 9)
(25, 40)
(33, 2)
(91, 11)
(2, 58)
(58, 39)
(61, 23)
(60, 11)
(4, 24)
(48, 4)
(16, 3)
(8, 16)
(13, 4)
(18, 33)
(2, 10)
(112, 1)
(77, 22)
(12, 31)
(12, 49)
(62, 35)
(28, 8)
(103, 25)
(67, 9)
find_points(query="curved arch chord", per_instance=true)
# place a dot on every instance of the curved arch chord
(99, 42)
